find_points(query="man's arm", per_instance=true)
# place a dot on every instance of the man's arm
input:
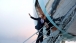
(33, 17)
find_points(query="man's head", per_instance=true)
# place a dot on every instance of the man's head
(42, 16)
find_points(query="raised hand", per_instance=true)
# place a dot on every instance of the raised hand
(29, 15)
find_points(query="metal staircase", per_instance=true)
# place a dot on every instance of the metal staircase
(64, 23)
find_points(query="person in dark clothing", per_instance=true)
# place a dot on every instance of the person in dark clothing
(40, 24)
(49, 25)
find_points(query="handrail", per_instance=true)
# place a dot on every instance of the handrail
(30, 37)
(42, 35)
(33, 34)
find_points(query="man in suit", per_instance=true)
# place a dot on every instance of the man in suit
(40, 24)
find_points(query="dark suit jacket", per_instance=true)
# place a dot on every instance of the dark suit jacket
(39, 24)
